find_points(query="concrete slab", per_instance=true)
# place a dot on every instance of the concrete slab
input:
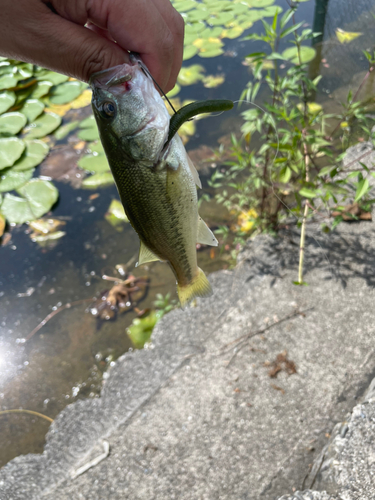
(191, 418)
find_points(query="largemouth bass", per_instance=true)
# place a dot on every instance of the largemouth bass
(157, 185)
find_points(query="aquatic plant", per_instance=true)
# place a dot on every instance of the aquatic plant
(289, 160)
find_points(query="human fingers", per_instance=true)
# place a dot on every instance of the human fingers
(176, 26)
(141, 27)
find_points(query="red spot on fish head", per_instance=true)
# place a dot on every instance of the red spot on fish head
(127, 86)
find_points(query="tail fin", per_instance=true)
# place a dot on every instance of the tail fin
(199, 287)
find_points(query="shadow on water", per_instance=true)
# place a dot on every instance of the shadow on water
(66, 358)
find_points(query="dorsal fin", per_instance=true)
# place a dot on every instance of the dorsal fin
(205, 235)
(145, 255)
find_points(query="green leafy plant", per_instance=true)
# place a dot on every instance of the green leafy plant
(288, 162)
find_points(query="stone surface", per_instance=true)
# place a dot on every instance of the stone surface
(191, 417)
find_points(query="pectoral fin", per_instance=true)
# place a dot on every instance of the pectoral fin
(145, 255)
(205, 235)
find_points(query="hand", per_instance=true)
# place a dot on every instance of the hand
(53, 35)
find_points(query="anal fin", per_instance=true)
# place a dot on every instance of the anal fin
(205, 236)
(145, 255)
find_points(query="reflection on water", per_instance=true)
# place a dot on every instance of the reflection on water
(65, 359)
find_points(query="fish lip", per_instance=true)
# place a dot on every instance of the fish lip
(126, 70)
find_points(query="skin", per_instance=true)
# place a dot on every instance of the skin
(53, 35)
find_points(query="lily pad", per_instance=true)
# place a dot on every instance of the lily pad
(89, 130)
(176, 89)
(191, 74)
(11, 123)
(198, 15)
(307, 54)
(212, 81)
(33, 155)
(8, 81)
(271, 11)
(51, 76)
(214, 52)
(41, 89)
(232, 33)
(64, 130)
(220, 19)
(239, 8)
(32, 109)
(194, 28)
(65, 92)
(43, 126)
(261, 3)
(116, 215)
(97, 163)
(184, 6)
(7, 99)
(189, 52)
(37, 199)
(96, 147)
(254, 15)
(82, 100)
(214, 32)
(10, 150)
(98, 180)
(12, 180)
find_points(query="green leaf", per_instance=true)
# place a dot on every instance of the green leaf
(214, 52)
(191, 74)
(307, 54)
(44, 125)
(97, 163)
(212, 81)
(261, 3)
(308, 193)
(190, 52)
(89, 130)
(116, 215)
(176, 89)
(64, 130)
(66, 92)
(98, 180)
(285, 174)
(7, 99)
(51, 76)
(220, 19)
(96, 147)
(11, 123)
(37, 199)
(141, 329)
(10, 150)
(32, 109)
(12, 180)
(33, 155)
(362, 188)
(41, 89)
(184, 6)
(8, 82)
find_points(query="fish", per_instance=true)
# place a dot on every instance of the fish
(156, 180)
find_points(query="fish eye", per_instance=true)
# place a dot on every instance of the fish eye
(109, 109)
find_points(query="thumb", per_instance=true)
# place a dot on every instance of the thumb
(61, 45)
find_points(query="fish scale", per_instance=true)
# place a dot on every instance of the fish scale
(157, 187)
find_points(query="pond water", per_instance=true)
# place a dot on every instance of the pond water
(64, 360)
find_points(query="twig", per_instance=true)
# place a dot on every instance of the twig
(30, 412)
(303, 227)
(53, 313)
(240, 342)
